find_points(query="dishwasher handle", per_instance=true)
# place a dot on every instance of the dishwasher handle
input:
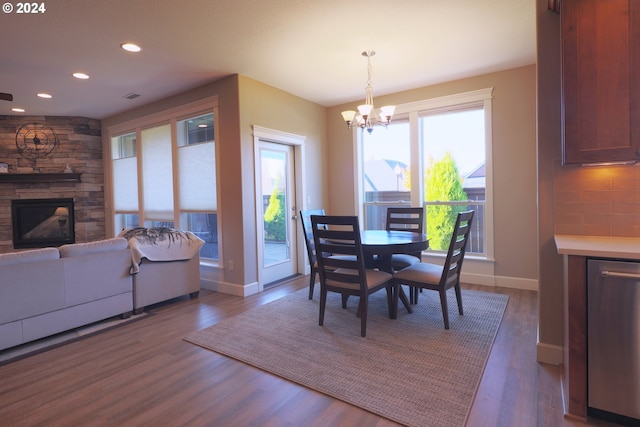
(616, 274)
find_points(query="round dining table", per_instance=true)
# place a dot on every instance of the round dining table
(379, 245)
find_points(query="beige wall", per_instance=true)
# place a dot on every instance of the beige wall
(268, 107)
(550, 295)
(242, 103)
(514, 166)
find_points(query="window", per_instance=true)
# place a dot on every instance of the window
(434, 154)
(125, 172)
(197, 178)
(386, 161)
(170, 159)
(453, 144)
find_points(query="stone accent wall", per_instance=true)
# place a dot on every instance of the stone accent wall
(80, 147)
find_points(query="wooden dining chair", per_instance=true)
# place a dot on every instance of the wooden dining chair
(405, 219)
(342, 269)
(441, 278)
(305, 221)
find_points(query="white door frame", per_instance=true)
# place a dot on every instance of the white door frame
(297, 142)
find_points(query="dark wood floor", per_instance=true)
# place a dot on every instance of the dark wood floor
(143, 373)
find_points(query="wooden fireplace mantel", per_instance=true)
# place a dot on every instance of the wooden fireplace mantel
(27, 178)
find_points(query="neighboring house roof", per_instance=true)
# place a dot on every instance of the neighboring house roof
(380, 175)
(477, 178)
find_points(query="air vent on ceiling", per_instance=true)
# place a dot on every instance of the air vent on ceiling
(132, 95)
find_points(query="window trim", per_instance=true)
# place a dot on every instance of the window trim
(170, 116)
(413, 111)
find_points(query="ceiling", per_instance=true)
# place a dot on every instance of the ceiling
(311, 49)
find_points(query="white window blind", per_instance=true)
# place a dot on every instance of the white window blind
(125, 184)
(157, 176)
(197, 177)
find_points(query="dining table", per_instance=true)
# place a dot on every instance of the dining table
(378, 246)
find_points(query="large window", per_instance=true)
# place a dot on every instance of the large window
(436, 154)
(164, 175)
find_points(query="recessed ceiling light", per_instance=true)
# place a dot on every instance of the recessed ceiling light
(81, 76)
(44, 95)
(17, 110)
(130, 47)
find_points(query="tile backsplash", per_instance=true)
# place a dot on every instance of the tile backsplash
(597, 200)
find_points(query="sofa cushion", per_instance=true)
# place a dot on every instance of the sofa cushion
(33, 255)
(106, 245)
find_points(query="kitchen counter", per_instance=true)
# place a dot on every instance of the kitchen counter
(599, 246)
(575, 251)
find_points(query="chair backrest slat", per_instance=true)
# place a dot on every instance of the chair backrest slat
(305, 221)
(457, 247)
(338, 246)
(405, 219)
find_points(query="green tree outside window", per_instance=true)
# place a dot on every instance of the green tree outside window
(274, 222)
(442, 183)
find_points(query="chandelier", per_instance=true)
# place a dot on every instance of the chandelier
(367, 117)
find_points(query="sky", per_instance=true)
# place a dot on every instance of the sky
(461, 133)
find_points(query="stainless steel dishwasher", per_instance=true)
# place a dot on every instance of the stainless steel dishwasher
(613, 299)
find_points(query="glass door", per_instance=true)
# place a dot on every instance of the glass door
(276, 210)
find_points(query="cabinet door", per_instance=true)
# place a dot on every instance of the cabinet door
(601, 80)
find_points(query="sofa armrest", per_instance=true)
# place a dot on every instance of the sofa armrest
(33, 255)
(107, 245)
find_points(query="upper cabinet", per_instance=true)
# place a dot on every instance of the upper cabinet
(600, 80)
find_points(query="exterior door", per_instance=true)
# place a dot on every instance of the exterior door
(277, 212)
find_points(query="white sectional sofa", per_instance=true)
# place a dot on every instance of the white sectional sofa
(165, 264)
(158, 281)
(51, 290)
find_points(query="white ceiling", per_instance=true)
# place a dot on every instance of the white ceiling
(311, 49)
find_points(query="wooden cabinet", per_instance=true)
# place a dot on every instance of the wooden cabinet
(600, 80)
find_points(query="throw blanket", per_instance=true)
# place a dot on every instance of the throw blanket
(160, 244)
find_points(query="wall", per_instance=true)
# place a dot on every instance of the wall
(242, 103)
(514, 166)
(550, 294)
(80, 147)
(268, 107)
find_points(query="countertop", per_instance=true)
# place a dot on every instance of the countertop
(599, 246)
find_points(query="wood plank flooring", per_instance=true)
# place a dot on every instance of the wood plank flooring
(144, 374)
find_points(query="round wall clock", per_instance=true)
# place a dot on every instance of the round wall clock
(35, 140)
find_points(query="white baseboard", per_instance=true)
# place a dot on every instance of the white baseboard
(501, 281)
(549, 354)
(229, 288)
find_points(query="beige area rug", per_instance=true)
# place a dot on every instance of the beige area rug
(43, 344)
(409, 370)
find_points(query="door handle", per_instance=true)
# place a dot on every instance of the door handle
(606, 273)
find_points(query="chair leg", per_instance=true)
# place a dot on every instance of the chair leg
(323, 303)
(345, 297)
(445, 310)
(363, 308)
(312, 282)
(393, 302)
(459, 298)
(413, 294)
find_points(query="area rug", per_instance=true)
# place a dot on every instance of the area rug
(409, 370)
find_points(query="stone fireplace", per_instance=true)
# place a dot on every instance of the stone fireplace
(79, 149)
(39, 223)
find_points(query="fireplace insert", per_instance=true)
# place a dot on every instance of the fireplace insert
(39, 223)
